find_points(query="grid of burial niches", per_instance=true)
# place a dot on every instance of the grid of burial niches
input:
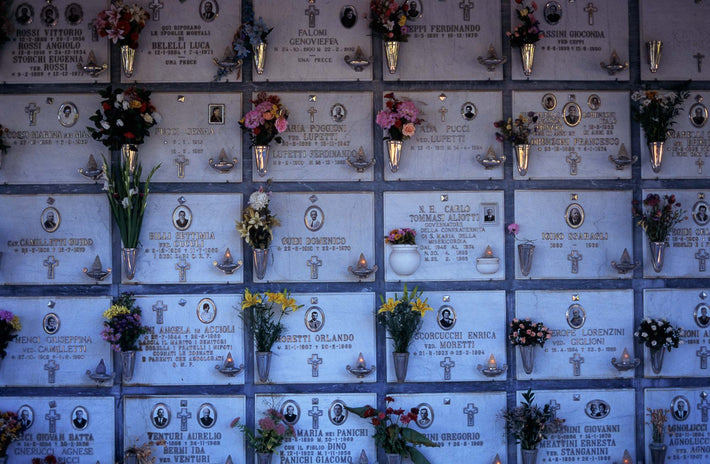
(570, 286)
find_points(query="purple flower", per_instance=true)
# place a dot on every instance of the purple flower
(408, 110)
(385, 119)
(6, 316)
(253, 119)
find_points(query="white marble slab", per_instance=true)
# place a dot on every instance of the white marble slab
(589, 328)
(457, 127)
(51, 238)
(562, 236)
(450, 349)
(453, 229)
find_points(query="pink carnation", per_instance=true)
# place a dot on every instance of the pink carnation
(408, 110)
(385, 119)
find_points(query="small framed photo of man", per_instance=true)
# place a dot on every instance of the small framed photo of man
(702, 315)
(215, 113)
(572, 114)
(26, 416)
(74, 13)
(314, 319)
(574, 215)
(206, 416)
(182, 217)
(552, 12)
(209, 9)
(489, 213)
(24, 14)
(680, 408)
(469, 111)
(313, 218)
(426, 416)
(700, 213)
(337, 413)
(160, 416)
(291, 411)
(50, 219)
(698, 115)
(338, 112)
(79, 418)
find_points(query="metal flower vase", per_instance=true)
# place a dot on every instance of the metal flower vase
(658, 253)
(654, 48)
(393, 458)
(129, 155)
(655, 150)
(522, 157)
(394, 154)
(657, 359)
(264, 458)
(527, 55)
(128, 57)
(128, 364)
(527, 355)
(261, 157)
(392, 55)
(401, 361)
(259, 52)
(658, 452)
(263, 365)
(129, 256)
(260, 257)
(525, 257)
(529, 456)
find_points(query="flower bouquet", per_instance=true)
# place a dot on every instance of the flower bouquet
(529, 424)
(518, 133)
(256, 227)
(388, 20)
(273, 430)
(122, 24)
(392, 431)
(526, 34)
(527, 335)
(402, 318)
(49, 459)
(250, 38)
(6, 26)
(398, 120)
(402, 236)
(9, 326)
(122, 329)
(10, 430)
(657, 219)
(658, 334)
(264, 123)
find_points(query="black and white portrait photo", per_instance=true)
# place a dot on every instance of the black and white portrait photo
(574, 216)
(572, 114)
(182, 217)
(49, 15)
(469, 111)
(698, 115)
(206, 416)
(68, 114)
(426, 416)
(206, 310)
(24, 14)
(680, 408)
(313, 218)
(51, 323)
(291, 411)
(160, 416)
(594, 102)
(74, 13)
(446, 317)
(338, 112)
(597, 409)
(26, 416)
(314, 319)
(575, 316)
(700, 213)
(549, 101)
(209, 9)
(552, 12)
(348, 16)
(337, 413)
(50, 219)
(701, 315)
(79, 418)
(216, 113)
(489, 213)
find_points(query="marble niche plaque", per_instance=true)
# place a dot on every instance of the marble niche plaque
(578, 37)
(687, 427)
(188, 337)
(52, 41)
(688, 309)
(589, 328)
(196, 429)
(75, 429)
(463, 331)
(452, 38)
(685, 49)
(310, 41)
(599, 425)
(686, 147)
(326, 432)
(321, 339)
(457, 127)
(184, 235)
(453, 229)
(576, 134)
(48, 139)
(198, 139)
(60, 340)
(689, 250)
(180, 42)
(462, 424)
(51, 238)
(325, 129)
(320, 236)
(578, 237)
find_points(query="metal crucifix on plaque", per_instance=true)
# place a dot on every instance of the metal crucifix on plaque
(466, 6)
(443, 112)
(447, 364)
(699, 57)
(52, 416)
(182, 267)
(315, 413)
(702, 256)
(314, 263)
(573, 159)
(183, 415)
(470, 410)
(181, 161)
(315, 362)
(312, 12)
(312, 111)
(703, 406)
(577, 360)
(155, 6)
(703, 354)
(50, 263)
(159, 307)
(32, 109)
(51, 367)
(590, 9)
(575, 256)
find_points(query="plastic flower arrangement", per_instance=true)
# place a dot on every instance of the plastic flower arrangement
(266, 121)
(401, 237)
(399, 118)
(4, 147)
(392, 430)
(402, 317)
(658, 419)
(249, 34)
(658, 218)
(388, 19)
(257, 221)
(514, 230)
(122, 326)
(273, 430)
(10, 430)
(9, 326)
(262, 313)
(528, 32)
(529, 424)
(122, 24)
(144, 452)
(656, 113)
(657, 334)
(516, 132)
(524, 332)
(49, 459)
(124, 117)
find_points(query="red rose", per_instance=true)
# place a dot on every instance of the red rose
(124, 26)
(105, 106)
(375, 421)
(256, 130)
(397, 123)
(129, 135)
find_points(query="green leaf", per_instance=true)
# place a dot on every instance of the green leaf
(359, 411)
(417, 438)
(416, 456)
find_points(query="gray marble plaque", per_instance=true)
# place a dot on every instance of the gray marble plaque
(322, 434)
(48, 139)
(310, 40)
(686, 149)
(325, 129)
(196, 428)
(463, 331)
(578, 237)
(450, 38)
(576, 133)
(457, 127)
(180, 41)
(687, 425)
(188, 337)
(198, 131)
(691, 312)
(685, 49)
(585, 35)
(589, 328)
(60, 340)
(75, 429)
(53, 237)
(688, 253)
(599, 425)
(51, 41)
(462, 424)
(453, 229)
(320, 236)
(321, 340)
(182, 248)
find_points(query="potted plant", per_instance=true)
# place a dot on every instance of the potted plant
(122, 329)
(393, 433)
(398, 120)
(657, 219)
(122, 24)
(388, 20)
(526, 249)
(658, 419)
(527, 334)
(656, 114)
(261, 315)
(10, 430)
(657, 334)
(526, 34)
(272, 432)
(256, 228)
(264, 123)
(529, 425)
(9, 326)
(402, 317)
(518, 133)
(404, 257)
